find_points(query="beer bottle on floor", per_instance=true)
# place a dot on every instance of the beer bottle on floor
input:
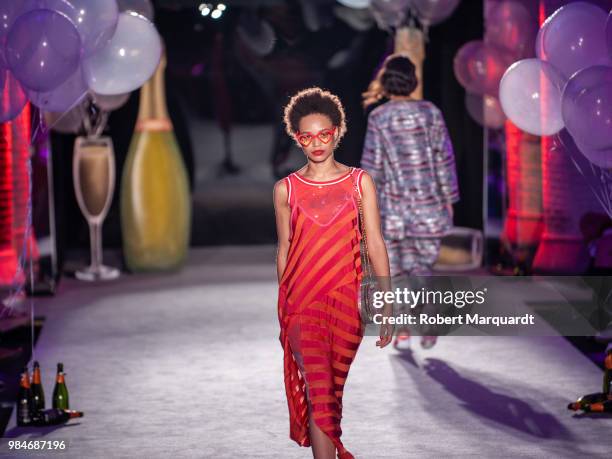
(600, 407)
(38, 395)
(55, 416)
(24, 400)
(607, 380)
(586, 400)
(60, 392)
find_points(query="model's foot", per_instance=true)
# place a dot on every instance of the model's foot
(402, 340)
(427, 342)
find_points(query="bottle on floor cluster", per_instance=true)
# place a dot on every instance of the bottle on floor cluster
(598, 402)
(31, 400)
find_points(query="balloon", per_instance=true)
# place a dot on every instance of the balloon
(601, 158)
(530, 95)
(43, 49)
(479, 67)
(62, 98)
(485, 110)
(389, 13)
(96, 21)
(110, 103)
(355, 3)
(12, 96)
(128, 60)
(510, 26)
(142, 7)
(434, 11)
(587, 107)
(573, 38)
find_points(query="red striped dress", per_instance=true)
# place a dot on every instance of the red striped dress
(317, 302)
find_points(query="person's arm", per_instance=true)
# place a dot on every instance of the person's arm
(282, 212)
(444, 160)
(372, 157)
(377, 250)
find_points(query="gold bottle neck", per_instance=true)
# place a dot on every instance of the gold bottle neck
(153, 112)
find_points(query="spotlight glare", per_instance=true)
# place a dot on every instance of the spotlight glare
(205, 11)
(221, 7)
(216, 14)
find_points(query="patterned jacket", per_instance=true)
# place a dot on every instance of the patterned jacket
(409, 155)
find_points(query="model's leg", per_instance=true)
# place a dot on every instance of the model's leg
(322, 446)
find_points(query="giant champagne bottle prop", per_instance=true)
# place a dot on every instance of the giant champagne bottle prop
(155, 201)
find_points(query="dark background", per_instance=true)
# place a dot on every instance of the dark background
(204, 54)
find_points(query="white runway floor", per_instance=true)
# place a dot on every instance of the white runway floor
(189, 365)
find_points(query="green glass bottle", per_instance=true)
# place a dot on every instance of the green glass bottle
(155, 199)
(60, 392)
(38, 395)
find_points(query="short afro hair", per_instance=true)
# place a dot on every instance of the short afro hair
(399, 76)
(314, 101)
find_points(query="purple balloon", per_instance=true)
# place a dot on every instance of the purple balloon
(432, 12)
(10, 10)
(479, 67)
(509, 25)
(587, 107)
(142, 7)
(485, 110)
(573, 38)
(601, 158)
(96, 21)
(62, 98)
(12, 96)
(43, 49)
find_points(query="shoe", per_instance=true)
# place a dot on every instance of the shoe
(427, 342)
(402, 341)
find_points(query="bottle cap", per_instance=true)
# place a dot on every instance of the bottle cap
(36, 364)
(60, 366)
(609, 348)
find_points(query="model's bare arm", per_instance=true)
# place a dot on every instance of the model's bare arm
(377, 250)
(282, 212)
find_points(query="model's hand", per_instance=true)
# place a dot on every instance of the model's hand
(449, 207)
(386, 334)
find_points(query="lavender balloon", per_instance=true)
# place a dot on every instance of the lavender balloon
(96, 21)
(573, 38)
(43, 49)
(485, 110)
(587, 107)
(12, 96)
(530, 95)
(479, 67)
(62, 98)
(601, 158)
(432, 12)
(128, 60)
(509, 25)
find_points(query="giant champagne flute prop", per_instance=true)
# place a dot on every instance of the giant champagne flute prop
(93, 169)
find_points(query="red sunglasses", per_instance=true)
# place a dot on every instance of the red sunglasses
(324, 135)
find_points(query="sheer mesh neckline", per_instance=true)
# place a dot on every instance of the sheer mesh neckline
(325, 182)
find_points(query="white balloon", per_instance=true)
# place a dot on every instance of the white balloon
(143, 7)
(110, 103)
(530, 95)
(128, 60)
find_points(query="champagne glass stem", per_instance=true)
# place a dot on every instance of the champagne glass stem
(96, 245)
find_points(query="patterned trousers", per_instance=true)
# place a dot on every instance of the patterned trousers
(413, 255)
